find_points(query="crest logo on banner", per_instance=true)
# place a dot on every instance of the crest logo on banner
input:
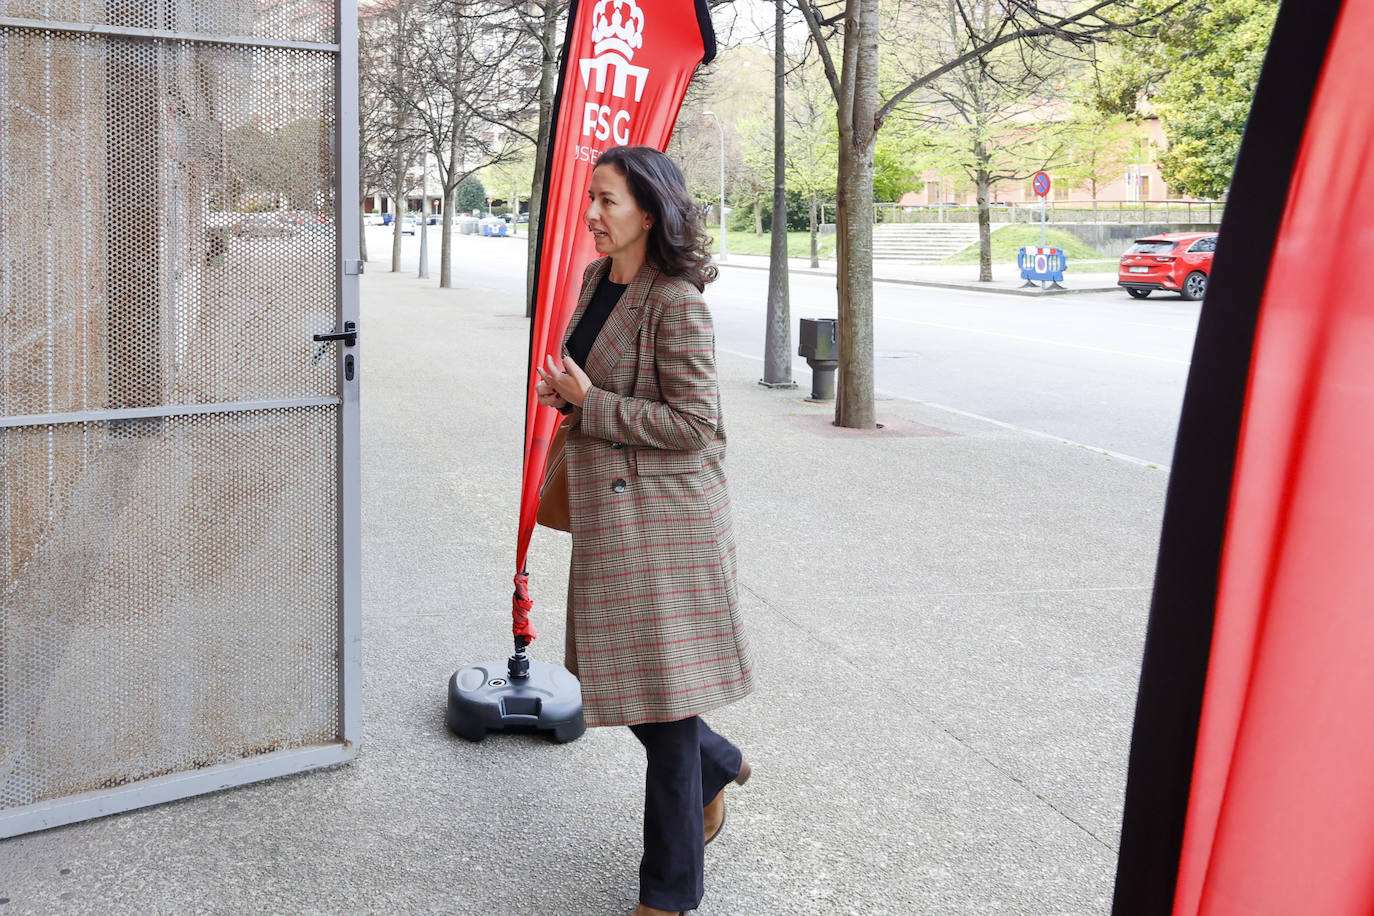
(617, 32)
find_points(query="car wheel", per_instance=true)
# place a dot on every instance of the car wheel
(1194, 286)
(1137, 293)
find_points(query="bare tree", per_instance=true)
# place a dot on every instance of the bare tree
(984, 112)
(811, 162)
(852, 28)
(533, 36)
(542, 20)
(458, 103)
(377, 108)
(392, 67)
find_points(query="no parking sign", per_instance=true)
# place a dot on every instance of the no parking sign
(1041, 183)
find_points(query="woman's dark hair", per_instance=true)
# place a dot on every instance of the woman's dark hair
(677, 244)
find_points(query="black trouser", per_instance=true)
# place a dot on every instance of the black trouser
(688, 765)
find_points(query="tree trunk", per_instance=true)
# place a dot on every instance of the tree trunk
(548, 75)
(777, 347)
(854, 266)
(398, 191)
(758, 213)
(450, 194)
(446, 239)
(982, 179)
(398, 160)
(854, 223)
(815, 241)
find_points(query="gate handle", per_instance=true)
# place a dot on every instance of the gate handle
(349, 335)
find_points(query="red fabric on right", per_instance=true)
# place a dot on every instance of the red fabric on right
(1281, 810)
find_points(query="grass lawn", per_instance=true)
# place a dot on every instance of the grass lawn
(798, 243)
(1007, 239)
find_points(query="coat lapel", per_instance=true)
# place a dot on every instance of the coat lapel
(617, 337)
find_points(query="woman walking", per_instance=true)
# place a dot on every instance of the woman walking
(654, 629)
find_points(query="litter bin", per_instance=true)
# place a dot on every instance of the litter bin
(820, 345)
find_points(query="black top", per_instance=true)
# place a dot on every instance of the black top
(605, 297)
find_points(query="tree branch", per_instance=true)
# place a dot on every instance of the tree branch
(1057, 29)
(814, 26)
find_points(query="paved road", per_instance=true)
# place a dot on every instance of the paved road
(1098, 369)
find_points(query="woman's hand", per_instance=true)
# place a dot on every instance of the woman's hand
(546, 395)
(567, 383)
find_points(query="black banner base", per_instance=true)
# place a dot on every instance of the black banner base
(485, 699)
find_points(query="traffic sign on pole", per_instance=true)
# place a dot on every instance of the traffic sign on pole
(1041, 184)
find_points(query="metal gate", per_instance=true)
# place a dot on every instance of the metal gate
(179, 587)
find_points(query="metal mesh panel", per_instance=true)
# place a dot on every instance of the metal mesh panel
(284, 20)
(167, 230)
(168, 596)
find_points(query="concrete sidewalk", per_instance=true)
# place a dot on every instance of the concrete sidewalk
(1005, 277)
(948, 618)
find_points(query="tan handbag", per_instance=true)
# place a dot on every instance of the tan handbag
(553, 492)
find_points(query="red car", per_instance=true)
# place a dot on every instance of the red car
(1179, 262)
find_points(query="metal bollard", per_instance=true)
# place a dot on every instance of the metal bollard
(820, 346)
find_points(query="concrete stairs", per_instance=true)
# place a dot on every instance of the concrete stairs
(923, 243)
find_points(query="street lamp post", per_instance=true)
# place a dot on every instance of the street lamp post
(721, 131)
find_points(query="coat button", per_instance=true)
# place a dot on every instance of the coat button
(617, 445)
(619, 485)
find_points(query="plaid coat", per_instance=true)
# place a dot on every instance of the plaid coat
(654, 627)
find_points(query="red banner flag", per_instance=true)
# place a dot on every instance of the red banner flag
(1281, 812)
(626, 66)
(1251, 786)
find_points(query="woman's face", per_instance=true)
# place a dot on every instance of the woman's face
(620, 227)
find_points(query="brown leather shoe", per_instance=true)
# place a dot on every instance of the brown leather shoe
(713, 817)
(643, 910)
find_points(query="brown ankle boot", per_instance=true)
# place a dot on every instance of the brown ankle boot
(643, 910)
(713, 817)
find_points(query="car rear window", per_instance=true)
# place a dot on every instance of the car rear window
(1150, 246)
